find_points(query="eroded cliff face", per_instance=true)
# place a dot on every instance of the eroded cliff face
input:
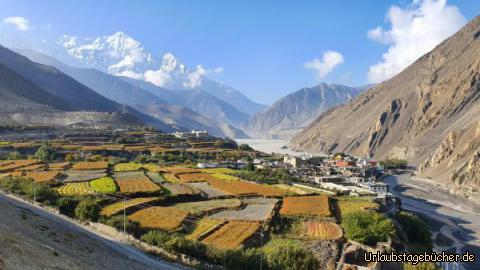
(429, 114)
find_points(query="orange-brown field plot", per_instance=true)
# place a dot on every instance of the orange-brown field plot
(97, 165)
(245, 188)
(322, 230)
(34, 167)
(16, 164)
(158, 217)
(58, 166)
(306, 206)
(195, 177)
(137, 185)
(118, 207)
(232, 235)
(43, 177)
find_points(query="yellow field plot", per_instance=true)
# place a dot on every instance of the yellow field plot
(322, 230)
(293, 189)
(306, 206)
(232, 235)
(157, 217)
(43, 177)
(204, 227)
(72, 189)
(132, 166)
(218, 170)
(352, 204)
(125, 167)
(171, 178)
(97, 165)
(117, 207)
(181, 170)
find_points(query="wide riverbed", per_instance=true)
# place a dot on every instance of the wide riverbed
(269, 146)
(455, 217)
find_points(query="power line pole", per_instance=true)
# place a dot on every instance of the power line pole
(34, 192)
(261, 244)
(124, 218)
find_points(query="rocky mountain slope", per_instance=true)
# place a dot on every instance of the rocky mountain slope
(199, 101)
(151, 102)
(33, 93)
(429, 114)
(290, 114)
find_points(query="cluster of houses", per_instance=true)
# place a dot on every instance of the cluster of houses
(191, 134)
(340, 173)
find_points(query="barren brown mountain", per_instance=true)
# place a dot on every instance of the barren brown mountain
(429, 114)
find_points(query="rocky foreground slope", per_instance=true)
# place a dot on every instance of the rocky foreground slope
(429, 114)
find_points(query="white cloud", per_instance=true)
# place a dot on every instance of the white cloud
(20, 23)
(330, 60)
(414, 31)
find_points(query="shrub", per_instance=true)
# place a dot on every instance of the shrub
(14, 155)
(24, 186)
(421, 266)
(67, 205)
(290, 256)
(367, 227)
(88, 209)
(131, 227)
(417, 231)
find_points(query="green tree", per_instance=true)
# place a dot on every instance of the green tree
(244, 147)
(367, 227)
(417, 231)
(45, 152)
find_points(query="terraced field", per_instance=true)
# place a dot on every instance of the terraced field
(43, 177)
(232, 235)
(195, 177)
(209, 191)
(207, 206)
(351, 204)
(158, 217)
(180, 189)
(204, 227)
(306, 206)
(84, 175)
(73, 189)
(252, 212)
(103, 185)
(322, 230)
(97, 165)
(117, 207)
(58, 166)
(137, 185)
(245, 188)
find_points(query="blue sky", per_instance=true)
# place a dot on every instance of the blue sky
(262, 46)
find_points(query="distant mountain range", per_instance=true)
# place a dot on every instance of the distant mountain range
(290, 114)
(121, 55)
(429, 114)
(169, 106)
